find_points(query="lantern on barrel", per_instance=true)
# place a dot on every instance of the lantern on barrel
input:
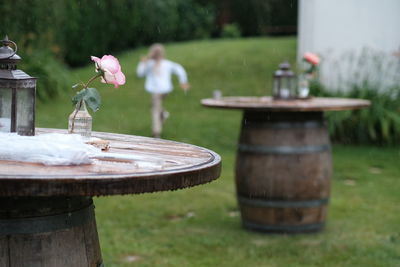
(284, 86)
(17, 93)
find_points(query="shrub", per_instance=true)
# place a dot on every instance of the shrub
(196, 21)
(53, 77)
(378, 124)
(76, 29)
(72, 30)
(261, 17)
(231, 31)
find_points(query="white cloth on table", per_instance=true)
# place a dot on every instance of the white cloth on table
(48, 149)
(5, 125)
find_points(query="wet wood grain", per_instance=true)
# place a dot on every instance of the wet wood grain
(283, 171)
(163, 165)
(269, 104)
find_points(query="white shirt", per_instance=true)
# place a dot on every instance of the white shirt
(158, 78)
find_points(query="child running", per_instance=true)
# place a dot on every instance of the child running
(158, 72)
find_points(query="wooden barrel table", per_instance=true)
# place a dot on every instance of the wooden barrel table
(283, 164)
(47, 214)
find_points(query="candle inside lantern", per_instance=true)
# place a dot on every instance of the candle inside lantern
(284, 93)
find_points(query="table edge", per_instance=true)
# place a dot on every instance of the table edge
(363, 103)
(117, 184)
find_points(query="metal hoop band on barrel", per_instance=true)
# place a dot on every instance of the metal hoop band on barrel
(286, 124)
(282, 203)
(284, 228)
(259, 149)
(46, 223)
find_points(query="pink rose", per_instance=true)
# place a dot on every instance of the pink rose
(311, 58)
(111, 69)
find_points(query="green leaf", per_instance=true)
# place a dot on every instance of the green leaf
(91, 96)
(92, 99)
(79, 96)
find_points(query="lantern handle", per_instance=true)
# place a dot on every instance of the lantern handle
(7, 42)
(16, 48)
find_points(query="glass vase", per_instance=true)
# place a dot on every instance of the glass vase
(80, 121)
(303, 88)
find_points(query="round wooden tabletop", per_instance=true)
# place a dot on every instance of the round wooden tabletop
(161, 165)
(269, 104)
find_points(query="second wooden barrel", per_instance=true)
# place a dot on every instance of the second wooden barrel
(48, 232)
(283, 171)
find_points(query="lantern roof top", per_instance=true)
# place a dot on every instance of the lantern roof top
(14, 75)
(284, 70)
(284, 65)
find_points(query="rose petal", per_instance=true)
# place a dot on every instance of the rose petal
(110, 79)
(111, 68)
(95, 59)
(312, 58)
(96, 62)
(120, 78)
(110, 63)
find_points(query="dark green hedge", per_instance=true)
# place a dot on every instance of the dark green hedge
(69, 31)
(52, 34)
(268, 17)
(75, 29)
(256, 17)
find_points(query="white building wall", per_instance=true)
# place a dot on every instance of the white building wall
(352, 36)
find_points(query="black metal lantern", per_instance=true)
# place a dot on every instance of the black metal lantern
(17, 93)
(284, 82)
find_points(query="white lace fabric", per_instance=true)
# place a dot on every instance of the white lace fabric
(47, 149)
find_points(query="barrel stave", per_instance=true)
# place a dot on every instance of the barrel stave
(283, 171)
(48, 231)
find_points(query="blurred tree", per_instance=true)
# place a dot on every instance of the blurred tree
(268, 16)
(256, 17)
(73, 30)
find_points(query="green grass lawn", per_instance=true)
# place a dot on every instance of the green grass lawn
(200, 226)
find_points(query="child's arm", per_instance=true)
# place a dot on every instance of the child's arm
(179, 71)
(142, 67)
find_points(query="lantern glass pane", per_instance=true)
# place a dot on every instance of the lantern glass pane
(286, 83)
(276, 86)
(5, 109)
(285, 87)
(25, 108)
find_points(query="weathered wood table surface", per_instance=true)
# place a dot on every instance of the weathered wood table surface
(283, 165)
(47, 214)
